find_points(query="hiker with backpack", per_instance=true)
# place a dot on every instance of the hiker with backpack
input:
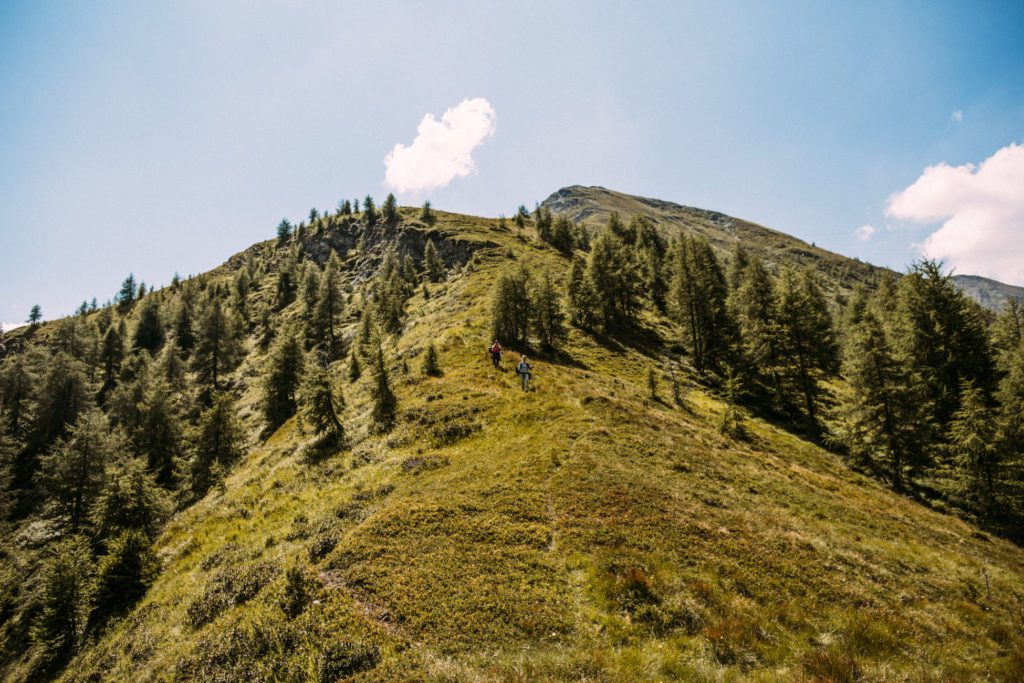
(495, 352)
(524, 370)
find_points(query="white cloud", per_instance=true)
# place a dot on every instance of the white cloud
(865, 232)
(982, 207)
(957, 116)
(442, 150)
(7, 327)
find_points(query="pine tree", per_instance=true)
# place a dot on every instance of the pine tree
(17, 383)
(35, 316)
(562, 234)
(582, 298)
(286, 286)
(73, 472)
(612, 276)
(345, 207)
(370, 211)
(216, 444)
(310, 288)
(973, 447)
(389, 210)
(329, 307)
(61, 397)
(284, 231)
(432, 263)
(126, 295)
(732, 416)
(548, 318)
(217, 346)
(699, 303)
(184, 337)
(651, 251)
(431, 368)
(160, 434)
(754, 307)
(149, 330)
(806, 340)
(129, 500)
(384, 401)
(281, 381)
(511, 307)
(354, 370)
(427, 214)
(63, 602)
(123, 575)
(885, 425)
(320, 406)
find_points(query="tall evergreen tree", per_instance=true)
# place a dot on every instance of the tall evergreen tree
(806, 341)
(427, 214)
(389, 210)
(149, 330)
(126, 295)
(122, 576)
(973, 448)
(217, 346)
(370, 211)
(754, 307)
(35, 315)
(511, 307)
(320, 404)
(62, 396)
(582, 298)
(699, 303)
(284, 231)
(612, 275)
(432, 263)
(329, 308)
(129, 500)
(160, 434)
(886, 425)
(384, 401)
(73, 472)
(548, 318)
(64, 601)
(281, 381)
(216, 443)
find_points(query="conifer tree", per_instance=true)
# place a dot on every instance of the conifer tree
(699, 303)
(651, 251)
(384, 401)
(61, 397)
(548, 318)
(216, 444)
(73, 472)
(281, 381)
(129, 500)
(543, 221)
(432, 263)
(885, 425)
(345, 207)
(582, 298)
(111, 356)
(389, 210)
(431, 368)
(732, 417)
(284, 231)
(17, 389)
(126, 295)
(370, 211)
(612, 275)
(754, 307)
(122, 577)
(329, 307)
(286, 286)
(217, 346)
(184, 337)
(149, 330)
(320, 405)
(64, 601)
(510, 307)
(806, 340)
(354, 369)
(310, 288)
(427, 214)
(35, 316)
(562, 234)
(160, 433)
(973, 447)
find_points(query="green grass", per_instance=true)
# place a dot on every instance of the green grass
(581, 531)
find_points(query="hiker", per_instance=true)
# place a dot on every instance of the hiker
(496, 354)
(524, 369)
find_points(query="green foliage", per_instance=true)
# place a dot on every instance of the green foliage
(299, 589)
(320, 404)
(699, 304)
(73, 472)
(511, 307)
(126, 295)
(582, 297)
(35, 315)
(548, 318)
(389, 211)
(128, 500)
(431, 367)
(64, 600)
(284, 231)
(611, 274)
(122, 576)
(149, 329)
(216, 443)
(427, 213)
(217, 347)
(973, 447)
(432, 263)
(384, 401)
(281, 380)
(369, 211)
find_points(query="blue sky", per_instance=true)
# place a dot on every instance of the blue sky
(161, 137)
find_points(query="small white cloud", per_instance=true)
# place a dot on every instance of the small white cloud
(982, 207)
(442, 150)
(7, 327)
(865, 232)
(957, 117)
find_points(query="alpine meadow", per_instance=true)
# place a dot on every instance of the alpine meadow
(741, 457)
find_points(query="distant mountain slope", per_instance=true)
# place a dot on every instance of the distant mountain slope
(595, 204)
(989, 293)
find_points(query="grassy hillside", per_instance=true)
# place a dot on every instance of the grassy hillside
(582, 531)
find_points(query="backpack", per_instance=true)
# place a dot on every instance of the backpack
(495, 349)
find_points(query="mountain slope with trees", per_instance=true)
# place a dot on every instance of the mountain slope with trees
(303, 465)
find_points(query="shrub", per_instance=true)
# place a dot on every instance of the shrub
(341, 660)
(835, 666)
(229, 587)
